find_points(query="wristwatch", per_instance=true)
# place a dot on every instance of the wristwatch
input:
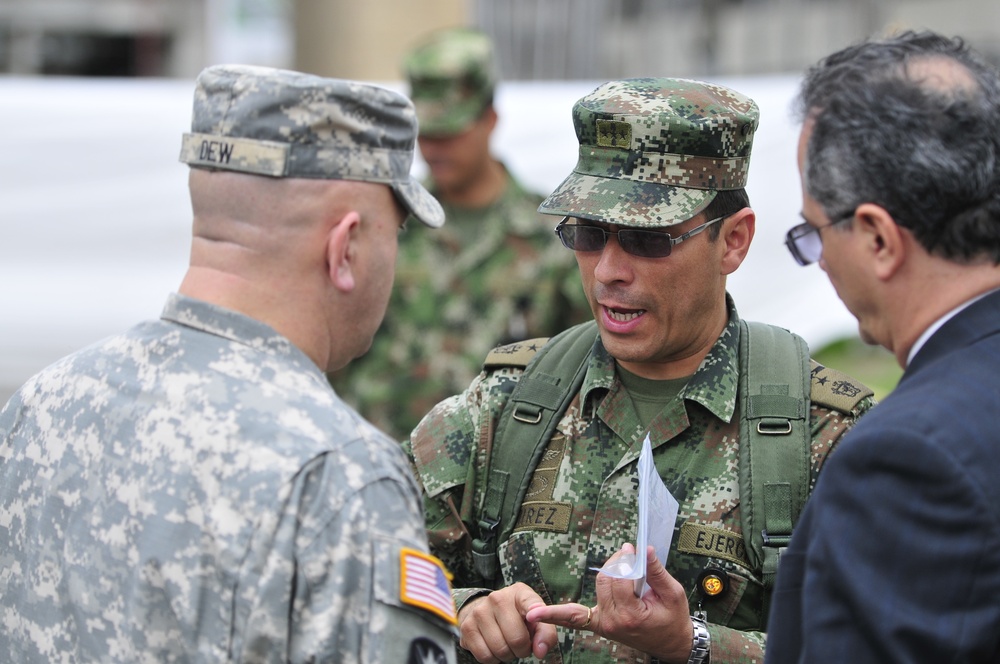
(701, 643)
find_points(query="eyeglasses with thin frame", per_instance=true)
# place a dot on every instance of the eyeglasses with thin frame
(634, 241)
(805, 243)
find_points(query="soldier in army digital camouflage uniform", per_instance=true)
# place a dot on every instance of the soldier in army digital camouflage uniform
(657, 214)
(493, 275)
(193, 490)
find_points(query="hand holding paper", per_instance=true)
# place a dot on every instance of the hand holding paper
(657, 516)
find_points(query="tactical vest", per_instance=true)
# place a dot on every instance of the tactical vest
(775, 439)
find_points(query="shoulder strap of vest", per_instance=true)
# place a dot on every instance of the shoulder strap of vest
(550, 380)
(775, 440)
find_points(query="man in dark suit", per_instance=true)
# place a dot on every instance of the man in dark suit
(896, 557)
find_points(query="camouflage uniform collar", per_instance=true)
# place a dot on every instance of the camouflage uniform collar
(231, 325)
(713, 385)
(598, 380)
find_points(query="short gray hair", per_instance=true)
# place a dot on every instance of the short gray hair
(928, 154)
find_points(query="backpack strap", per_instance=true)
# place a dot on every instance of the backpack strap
(775, 440)
(550, 381)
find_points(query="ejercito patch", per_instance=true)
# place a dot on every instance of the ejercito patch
(715, 542)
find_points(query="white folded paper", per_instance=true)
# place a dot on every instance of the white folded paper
(657, 516)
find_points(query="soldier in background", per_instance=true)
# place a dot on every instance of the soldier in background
(193, 490)
(657, 216)
(493, 275)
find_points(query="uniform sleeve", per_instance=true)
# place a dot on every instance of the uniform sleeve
(341, 580)
(442, 448)
(730, 646)
(449, 454)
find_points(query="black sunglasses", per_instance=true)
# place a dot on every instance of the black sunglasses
(635, 241)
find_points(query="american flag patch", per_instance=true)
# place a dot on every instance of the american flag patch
(425, 583)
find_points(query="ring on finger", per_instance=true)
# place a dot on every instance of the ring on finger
(590, 614)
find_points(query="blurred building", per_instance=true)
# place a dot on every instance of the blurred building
(102, 37)
(150, 38)
(177, 38)
(605, 39)
(537, 39)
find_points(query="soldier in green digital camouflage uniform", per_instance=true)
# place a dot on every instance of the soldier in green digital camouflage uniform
(192, 490)
(658, 157)
(493, 275)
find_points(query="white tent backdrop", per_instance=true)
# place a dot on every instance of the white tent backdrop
(96, 220)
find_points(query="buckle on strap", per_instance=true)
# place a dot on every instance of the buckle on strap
(774, 426)
(487, 534)
(526, 417)
(484, 555)
(776, 541)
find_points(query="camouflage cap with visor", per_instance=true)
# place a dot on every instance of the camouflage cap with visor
(280, 123)
(452, 77)
(655, 151)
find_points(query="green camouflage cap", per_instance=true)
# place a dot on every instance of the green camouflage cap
(655, 151)
(452, 76)
(282, 123)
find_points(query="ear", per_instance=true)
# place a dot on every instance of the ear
(490, 118)
(736, 236)
(882, 238)
(342, 252)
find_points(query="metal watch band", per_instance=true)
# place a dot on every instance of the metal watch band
(701, 642)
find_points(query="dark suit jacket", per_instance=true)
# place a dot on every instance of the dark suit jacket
(896, 557)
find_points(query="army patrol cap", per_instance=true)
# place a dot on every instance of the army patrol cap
(285, 124)
(655, 151)
(452, 76)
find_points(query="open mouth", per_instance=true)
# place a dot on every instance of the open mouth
(624, 315)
